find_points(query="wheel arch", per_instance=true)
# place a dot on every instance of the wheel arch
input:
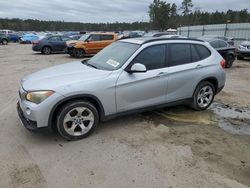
(90, 98)
(47, 46)
(212, 80)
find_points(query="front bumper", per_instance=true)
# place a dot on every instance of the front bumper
(27, 123)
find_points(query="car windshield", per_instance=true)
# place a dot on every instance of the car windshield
(114, 56)
(84, 37)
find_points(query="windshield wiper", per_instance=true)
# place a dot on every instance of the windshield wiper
(90, 65)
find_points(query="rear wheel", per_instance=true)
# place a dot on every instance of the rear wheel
(46, 50)
(203, 96)
(77, 120)
(5, 42)
(229, 61)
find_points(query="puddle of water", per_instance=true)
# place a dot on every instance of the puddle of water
(232, 119)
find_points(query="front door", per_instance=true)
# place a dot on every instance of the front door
(139, 90)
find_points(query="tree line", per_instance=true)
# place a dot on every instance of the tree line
(162, 15)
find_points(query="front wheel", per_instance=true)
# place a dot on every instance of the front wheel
(77, 120)
(203, 96)
(79, 53)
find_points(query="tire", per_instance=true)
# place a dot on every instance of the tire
(229, 61)
(4, 42)
(79, 53)
(74, 116)
(201, 100)
(240, 57)
(46, 50)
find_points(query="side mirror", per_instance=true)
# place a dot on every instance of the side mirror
(137, 68)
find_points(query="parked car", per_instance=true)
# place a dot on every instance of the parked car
(4, 40)
(14, 37)
(227, 51)
(243, 50)
(6, 31)
(48, 45)
(157, 34)
(28, 38)
(75, 37)
(128, 76)
(226, 39)
(90, 44)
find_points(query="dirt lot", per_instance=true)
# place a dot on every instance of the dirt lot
(173, 147)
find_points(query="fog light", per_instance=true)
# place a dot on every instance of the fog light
(28, 111)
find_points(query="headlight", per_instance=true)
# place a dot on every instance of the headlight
(38, 96)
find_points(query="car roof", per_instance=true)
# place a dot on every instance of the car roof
(102, 33)
(145, 40)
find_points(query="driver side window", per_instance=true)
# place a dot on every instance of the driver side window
(152, 57)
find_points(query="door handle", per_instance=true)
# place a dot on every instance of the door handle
(199, 66)
(162, 74)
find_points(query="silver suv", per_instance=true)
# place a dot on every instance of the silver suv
(128, 76)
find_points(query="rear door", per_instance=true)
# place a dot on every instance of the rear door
(139, 90)
(106, 39)
(187, 64)
(55, 43)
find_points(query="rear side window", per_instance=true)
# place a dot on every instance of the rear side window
(107, 37)
(152, 57)
(222, 44)
(195, 54)
(215, 44)
(55, 38)
(179, 54)
(203, 51)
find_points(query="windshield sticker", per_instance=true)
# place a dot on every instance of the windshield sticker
(113, 63)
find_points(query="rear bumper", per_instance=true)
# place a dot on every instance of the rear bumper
(36, 48)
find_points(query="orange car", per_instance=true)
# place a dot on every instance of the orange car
(90, 44)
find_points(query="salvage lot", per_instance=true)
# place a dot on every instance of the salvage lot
(161, 148)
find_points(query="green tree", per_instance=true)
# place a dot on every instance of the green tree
(159, 13)
(186, 7)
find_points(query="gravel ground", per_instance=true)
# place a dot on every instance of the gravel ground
(160, 148)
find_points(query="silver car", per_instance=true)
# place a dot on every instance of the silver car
(128, 76)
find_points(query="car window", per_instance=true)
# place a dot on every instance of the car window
(152, 57)
(195, 54)
(179, 54)
(55, 38)
(107, 37)
(215, 44)
(203, 51)
(65, 38)
(222, 44)
(94, 38)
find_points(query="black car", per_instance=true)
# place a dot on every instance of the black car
(226, 39)
(4, 39)
(54, 43)
(227, 51)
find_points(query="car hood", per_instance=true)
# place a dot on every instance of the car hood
(62, 76)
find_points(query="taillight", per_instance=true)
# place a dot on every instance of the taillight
(35, 42)
(223, 63)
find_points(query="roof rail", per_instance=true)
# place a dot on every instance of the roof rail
(171, 39)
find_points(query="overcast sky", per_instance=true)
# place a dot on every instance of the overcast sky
(99, 10)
